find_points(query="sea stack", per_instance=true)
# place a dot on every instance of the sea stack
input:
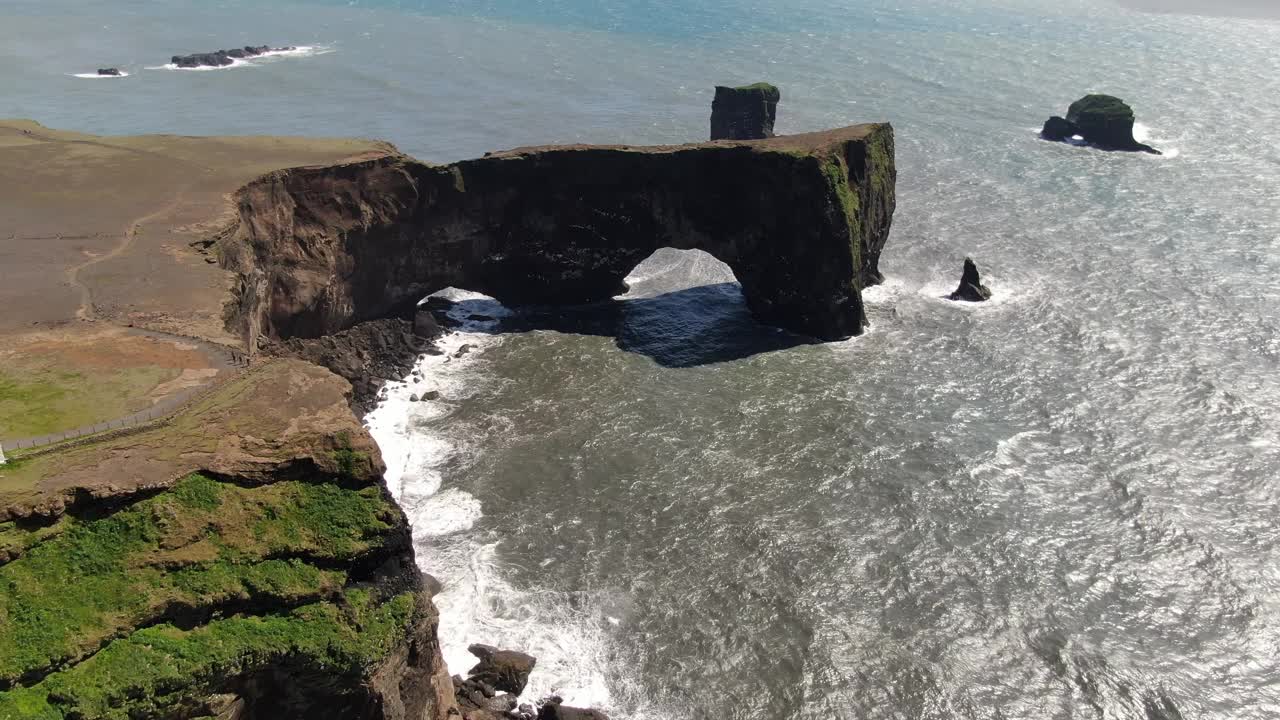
(971, 288)
(744, 113)
(1103, 121)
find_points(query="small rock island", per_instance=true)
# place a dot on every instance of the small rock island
(1103, 121)
(744, 113)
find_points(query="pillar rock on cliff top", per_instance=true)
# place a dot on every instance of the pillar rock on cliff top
(744, 113)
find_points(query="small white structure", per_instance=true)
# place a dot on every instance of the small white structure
(2, 460)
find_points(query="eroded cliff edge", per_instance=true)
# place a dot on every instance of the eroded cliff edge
(800, 219)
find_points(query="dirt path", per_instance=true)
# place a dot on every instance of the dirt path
(226, 361)
(86, 310)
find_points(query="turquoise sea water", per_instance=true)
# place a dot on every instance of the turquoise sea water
(1062, 504)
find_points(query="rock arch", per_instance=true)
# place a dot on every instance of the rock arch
(800, 219)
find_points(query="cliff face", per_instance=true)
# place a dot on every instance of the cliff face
(244, 560)
(801, 220)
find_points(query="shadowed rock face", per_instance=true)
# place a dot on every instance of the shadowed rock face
(801, 220)
(744, 113)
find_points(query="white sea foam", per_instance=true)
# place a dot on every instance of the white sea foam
(299, 51)
(1004, 291)
(96, 76)
(477, 603)
(1144, 134)
(886, 293)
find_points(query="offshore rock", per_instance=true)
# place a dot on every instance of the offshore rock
(800, 219)
(744, 113)
(109, 72)
(971, 288)
(1104, 121)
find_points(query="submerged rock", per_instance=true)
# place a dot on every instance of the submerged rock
(971, 288)
(744, 113)
(110, 72)
(1103, 121)
(505, 670)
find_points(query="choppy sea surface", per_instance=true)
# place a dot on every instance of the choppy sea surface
(1060, 504)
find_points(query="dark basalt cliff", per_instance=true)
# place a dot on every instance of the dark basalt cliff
(800, 219)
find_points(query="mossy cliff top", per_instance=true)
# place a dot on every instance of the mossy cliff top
(176, 603)
(770, 92)
(277, 580)
(1100, 108)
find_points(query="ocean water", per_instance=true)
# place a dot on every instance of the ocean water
(1060, 504)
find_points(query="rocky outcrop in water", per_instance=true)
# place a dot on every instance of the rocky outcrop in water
(800, 219)
(744, 113)
(1103, 121)
(109, 72)
(971, 288)
(222, 58)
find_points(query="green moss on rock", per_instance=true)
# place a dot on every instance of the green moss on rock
(770, 92)
(187, 551)
(158, 670)
(1100, 108)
